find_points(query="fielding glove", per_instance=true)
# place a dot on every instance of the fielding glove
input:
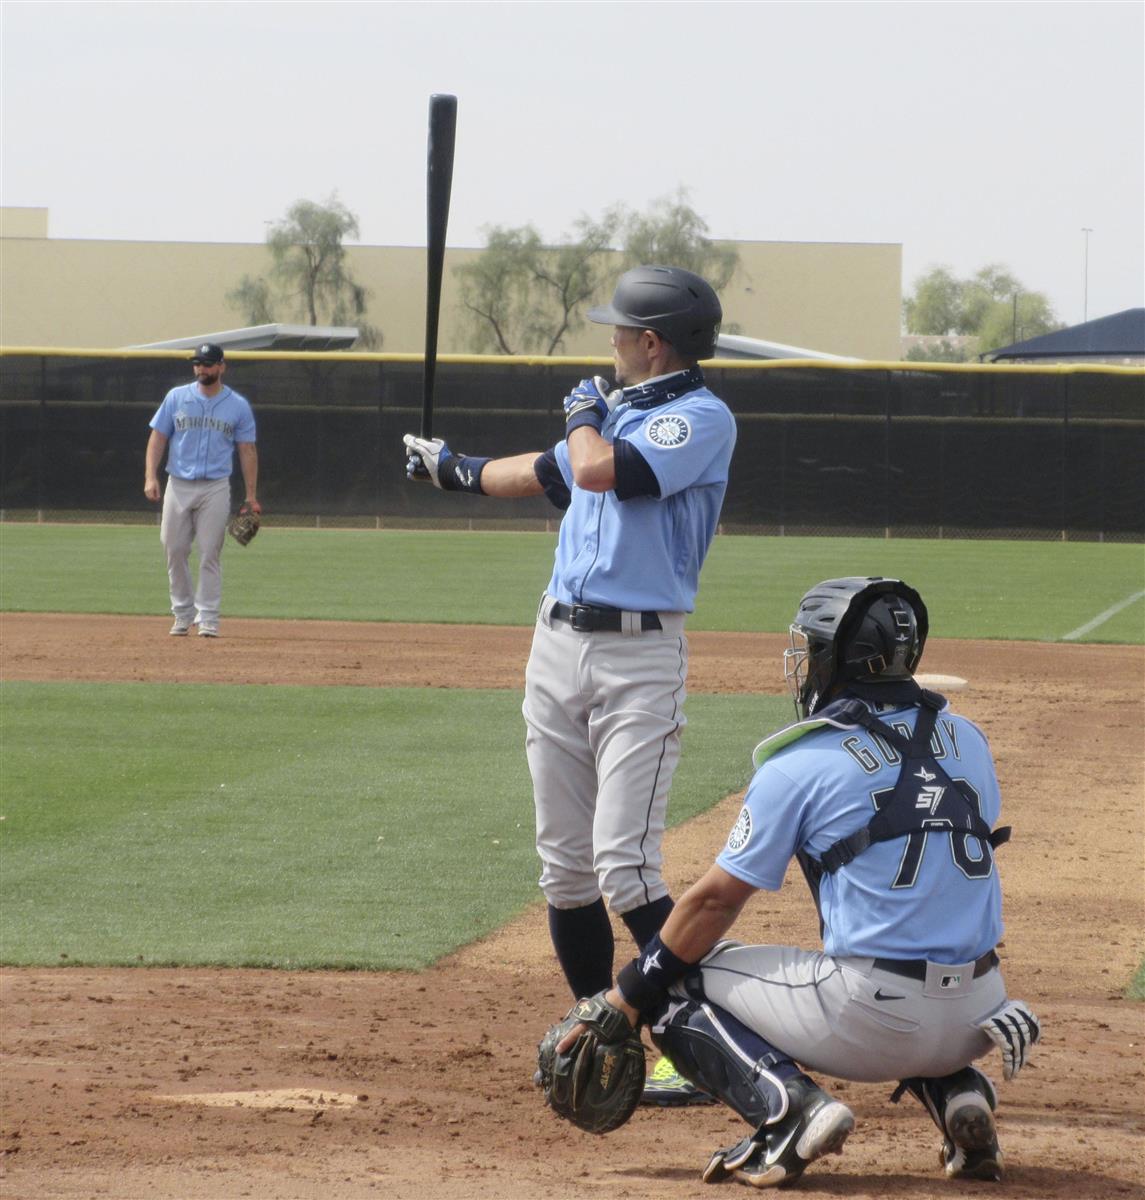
(597, 1083)
(244, 524)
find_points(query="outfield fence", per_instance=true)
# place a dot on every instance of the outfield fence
(883, 449)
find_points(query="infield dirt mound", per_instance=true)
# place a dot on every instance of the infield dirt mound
(413, 1086)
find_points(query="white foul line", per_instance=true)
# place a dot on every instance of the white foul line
(1101, 618)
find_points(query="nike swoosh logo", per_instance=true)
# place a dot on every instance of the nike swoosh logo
(879, 996)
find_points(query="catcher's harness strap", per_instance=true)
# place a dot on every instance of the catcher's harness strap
(925, 798)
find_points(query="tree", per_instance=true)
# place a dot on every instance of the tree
(936, 306)
(992, 306)
(939, 351)
(674, 234)
(523, 296)
(309, 277)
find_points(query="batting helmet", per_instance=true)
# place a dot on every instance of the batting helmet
(678, 305)
(858, 628)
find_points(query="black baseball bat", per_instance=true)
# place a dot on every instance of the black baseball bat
(439, 183)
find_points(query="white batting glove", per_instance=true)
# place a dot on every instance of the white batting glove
(1013, 1029)
(425, 457)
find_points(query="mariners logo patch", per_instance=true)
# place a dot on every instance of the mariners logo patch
(670, 430)
(741, 831)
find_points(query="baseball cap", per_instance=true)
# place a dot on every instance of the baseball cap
(208, 353)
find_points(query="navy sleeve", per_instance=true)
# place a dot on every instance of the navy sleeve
(634, 477)
(549, 476)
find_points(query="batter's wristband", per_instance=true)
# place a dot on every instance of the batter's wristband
(591, 417)
(645, 981)
(462, 473)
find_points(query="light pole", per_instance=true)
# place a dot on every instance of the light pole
(1085, 300)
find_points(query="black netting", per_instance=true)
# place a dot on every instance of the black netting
(901, 451)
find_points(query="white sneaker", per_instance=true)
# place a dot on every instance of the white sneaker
(208, 631)
(181, 627)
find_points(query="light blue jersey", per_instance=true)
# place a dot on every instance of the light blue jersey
(645, 553)
(202, 431)
(932, 895)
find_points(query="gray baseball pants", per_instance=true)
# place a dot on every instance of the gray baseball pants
(604, 712)
(195, 511)
(848, 1018)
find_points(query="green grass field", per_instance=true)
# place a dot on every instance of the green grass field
(1042, 591)
(382, 828)
(345, 827)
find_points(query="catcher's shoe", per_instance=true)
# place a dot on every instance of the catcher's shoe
(776, 1155)
(181, 627)
(667, 1088)
(962, 1106)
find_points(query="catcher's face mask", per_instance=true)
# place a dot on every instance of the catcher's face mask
(808, 669)
(795, 665)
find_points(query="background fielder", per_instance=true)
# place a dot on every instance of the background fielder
(199, 425)
(887, 799)
(641, 473)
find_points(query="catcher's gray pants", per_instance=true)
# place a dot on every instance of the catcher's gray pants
(195, 510)
(846, 1017)
(604, 713)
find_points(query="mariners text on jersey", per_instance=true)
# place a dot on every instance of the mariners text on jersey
(203, 430)
(185, 421)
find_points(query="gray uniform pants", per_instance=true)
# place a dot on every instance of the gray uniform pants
(604, 713)
(195, 510)
(847, 1018)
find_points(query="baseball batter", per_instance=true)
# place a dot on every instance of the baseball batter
(641, 475)
(888, 800)
(199, 426)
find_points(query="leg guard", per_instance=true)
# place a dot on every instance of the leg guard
(722, 1056)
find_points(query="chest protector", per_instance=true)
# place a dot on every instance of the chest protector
(925, 799)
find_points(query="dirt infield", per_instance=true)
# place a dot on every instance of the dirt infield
(147, 1084)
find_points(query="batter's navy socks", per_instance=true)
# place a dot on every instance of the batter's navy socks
(582, 938)
(776, 1155)
(645, 922)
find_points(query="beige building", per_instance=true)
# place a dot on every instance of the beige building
(836, 297)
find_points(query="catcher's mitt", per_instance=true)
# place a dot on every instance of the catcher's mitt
(244, 524)
(597, 1083)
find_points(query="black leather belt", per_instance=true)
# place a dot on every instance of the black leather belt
(588, 618)
(916, 968)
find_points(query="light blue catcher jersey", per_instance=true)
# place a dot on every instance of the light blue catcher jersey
(930, 895)
(202, 431)
(645, 554)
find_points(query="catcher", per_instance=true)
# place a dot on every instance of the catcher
(887, 800)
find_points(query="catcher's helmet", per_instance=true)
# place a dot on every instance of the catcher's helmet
(858, 628)
(681, 307)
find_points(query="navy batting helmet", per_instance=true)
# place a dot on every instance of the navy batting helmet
(681, 307)
(858, 628)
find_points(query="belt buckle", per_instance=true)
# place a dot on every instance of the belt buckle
(582, 618)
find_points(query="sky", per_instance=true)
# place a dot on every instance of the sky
(969, 133)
